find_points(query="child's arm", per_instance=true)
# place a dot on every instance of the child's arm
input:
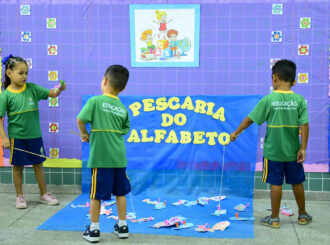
(83, 132)
(244, 124)
(304, 138)
(57, 91)
(3, 135)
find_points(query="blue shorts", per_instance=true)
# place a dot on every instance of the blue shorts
(20, 158)
(273, 172)
(107, 181)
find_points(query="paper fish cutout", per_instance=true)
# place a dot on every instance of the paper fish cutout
(202, 228)
(191, 203)
(142, 219)
(203, 201)
(241, 207)
(160, 205)
(170, 222)
(180, 202)
(149, 201)
(285, 211)
(80, 205)
(221, 226)
(219, 212)
(217, 198)
(104, 211)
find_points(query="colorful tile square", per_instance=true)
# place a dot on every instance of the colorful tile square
(302, 77)
(25, 9)
(52, 49)
(276, 36)
(52, 75)
(53, 127)
(305, 22)
(26, 36)
(277, 8)
(53, 102)
(51, 23)
(303, 49)
(29, 62)
(54, 152)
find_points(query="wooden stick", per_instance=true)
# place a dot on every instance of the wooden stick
(31, 153)
(75, 132)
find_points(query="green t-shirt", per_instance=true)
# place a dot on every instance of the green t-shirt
(284, 112)
(22, 110)
(109, 121)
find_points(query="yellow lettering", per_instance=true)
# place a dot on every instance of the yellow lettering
(187, 104)
(198, 137)
(170, 103)
(159, 135)
(180, 119)
(210, 106)
(211, 136)
(148, 104)
(167, 120)
(144, 133)
(185, 137)
(135, 107)
(134, 137)
(200, 106)
(161, 104)
(224, 138)
(172, 138)
(220, 114)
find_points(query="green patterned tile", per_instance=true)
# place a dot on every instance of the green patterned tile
(258, 173)
(56, 178)
(326, 175)
(315, 184)
(6, 178)
(68, 179)
(29, 178)
(68, 170)
(259, 185)
(315, 175)
(326, 184)
(77, 179)
(286, 187)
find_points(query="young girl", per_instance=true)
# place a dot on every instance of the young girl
(20, 101)
(162, 21)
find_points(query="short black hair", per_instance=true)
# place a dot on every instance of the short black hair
(285, 70)
(118, 76)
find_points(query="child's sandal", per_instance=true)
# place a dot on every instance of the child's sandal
(271, 222)
(304, 219)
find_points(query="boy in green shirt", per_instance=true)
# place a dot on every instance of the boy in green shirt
(284, 112)
(107, 159)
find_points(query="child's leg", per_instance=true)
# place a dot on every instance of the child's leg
(299, 194)
(40, 176)
(276, 196)
(18, 179)
(121, 207)
(95, 210)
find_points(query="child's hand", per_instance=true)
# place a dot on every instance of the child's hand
(85, 137)
(5, 142)
(63, 85)
(301, 155)
(233, 136)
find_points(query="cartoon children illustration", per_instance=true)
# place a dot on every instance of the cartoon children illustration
(162, 20)
(173, 35)
(148, 38)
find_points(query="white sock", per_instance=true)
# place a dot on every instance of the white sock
(122, 223)
(95, 226)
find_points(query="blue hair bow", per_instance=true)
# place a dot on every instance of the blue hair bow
(4, 60)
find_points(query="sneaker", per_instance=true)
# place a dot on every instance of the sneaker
(91, 236)
(49, 199)
(121, 232)
(20, 202)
